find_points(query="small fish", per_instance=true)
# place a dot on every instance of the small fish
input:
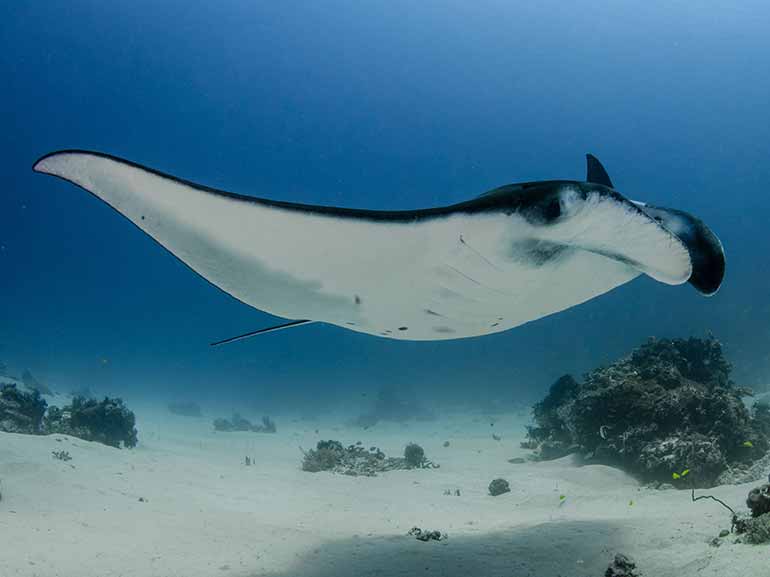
(748, 444)
(680, 475)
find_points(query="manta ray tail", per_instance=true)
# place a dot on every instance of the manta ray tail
(262, 331)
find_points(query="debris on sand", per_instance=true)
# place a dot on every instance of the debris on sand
(667, 407)
(498, 487)
(355, 460)
(238, 423)
(425, 535)
(61, 455)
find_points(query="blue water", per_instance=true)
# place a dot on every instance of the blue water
(386, 105)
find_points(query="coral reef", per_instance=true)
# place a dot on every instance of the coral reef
(622, 566)
(498, 487)
(21, 412)
(185, 409)
(742, 474)
(389, 406)
(238, 423)
(761, 413)
(667, 407)
(355, 460)
(107, 421)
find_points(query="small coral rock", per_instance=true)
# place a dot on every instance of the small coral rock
(759, 500)
(622, 566)
(414, 455)
(498, 487)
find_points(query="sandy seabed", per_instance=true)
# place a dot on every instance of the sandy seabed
(184, 504)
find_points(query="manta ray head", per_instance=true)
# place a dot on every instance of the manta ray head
(668, 245)
(564, 217)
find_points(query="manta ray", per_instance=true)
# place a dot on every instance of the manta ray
(512, 255)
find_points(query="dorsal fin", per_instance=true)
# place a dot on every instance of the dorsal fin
(596, 172)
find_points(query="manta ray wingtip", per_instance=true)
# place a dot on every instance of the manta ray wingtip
(41, 165)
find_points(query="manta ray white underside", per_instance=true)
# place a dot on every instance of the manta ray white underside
(466, 270)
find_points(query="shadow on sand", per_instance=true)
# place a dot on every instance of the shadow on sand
(554, 549)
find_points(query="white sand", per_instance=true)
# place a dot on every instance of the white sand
(206, 514)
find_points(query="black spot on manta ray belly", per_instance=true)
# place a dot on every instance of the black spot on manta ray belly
(357, 299)
(443, 329)
(432, 313)
(403, 328)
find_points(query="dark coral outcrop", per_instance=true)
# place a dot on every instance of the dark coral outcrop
(20, 411)
(667, 408)
(108, 421)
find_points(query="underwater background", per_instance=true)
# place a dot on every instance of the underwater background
(382, 105)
